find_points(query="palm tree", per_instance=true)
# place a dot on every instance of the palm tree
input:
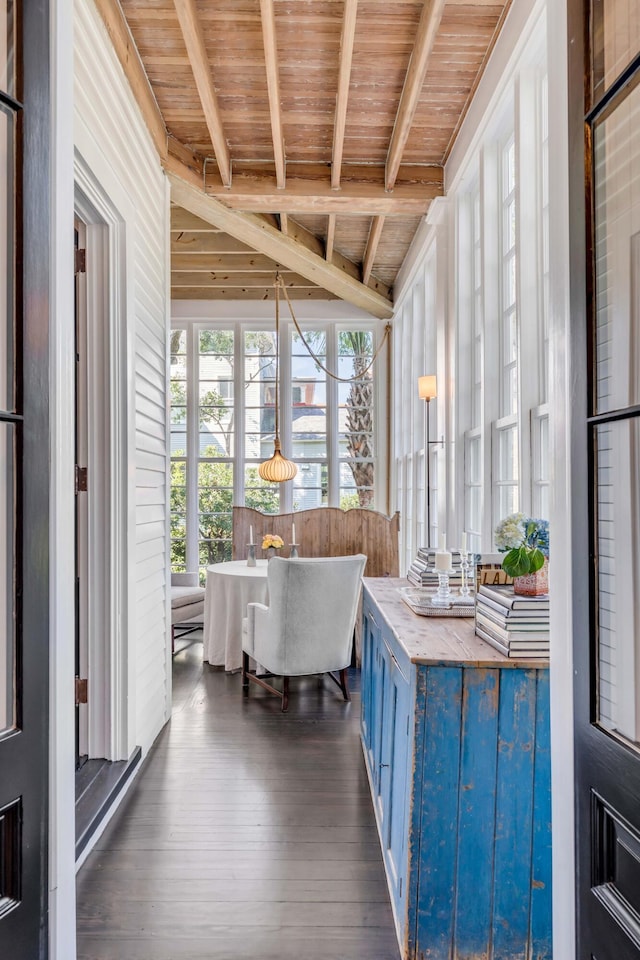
(359, 416)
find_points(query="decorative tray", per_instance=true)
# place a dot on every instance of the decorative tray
(420, 602)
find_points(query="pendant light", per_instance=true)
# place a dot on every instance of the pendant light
(277, 469)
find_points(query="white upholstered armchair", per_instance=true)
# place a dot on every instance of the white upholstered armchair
(308, 626)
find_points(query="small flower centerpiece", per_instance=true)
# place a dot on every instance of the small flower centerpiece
(271, 542)
(525, 543)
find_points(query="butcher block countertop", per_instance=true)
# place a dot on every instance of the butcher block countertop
(436, 640)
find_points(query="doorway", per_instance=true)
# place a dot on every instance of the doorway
(103, 763)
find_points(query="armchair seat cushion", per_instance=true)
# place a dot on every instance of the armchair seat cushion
(183, 596)
(187, 600)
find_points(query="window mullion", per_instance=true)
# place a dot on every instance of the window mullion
(239, 405)
(286, 431)
(192, 466)
(333, 428)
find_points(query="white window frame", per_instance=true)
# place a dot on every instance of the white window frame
(473, 522)
(540, 479)
(500, 480)
(509, 257)
(193, 327)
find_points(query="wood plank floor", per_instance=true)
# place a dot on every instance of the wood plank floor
(248, 835)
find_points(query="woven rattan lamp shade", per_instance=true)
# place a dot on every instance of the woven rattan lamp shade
(278, 468)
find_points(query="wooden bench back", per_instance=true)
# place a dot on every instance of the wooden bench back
(325, 532)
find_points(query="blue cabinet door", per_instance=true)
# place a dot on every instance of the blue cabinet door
(394, 777)
(368, 652)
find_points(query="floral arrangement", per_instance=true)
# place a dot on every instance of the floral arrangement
(525, 541)
(272, 540)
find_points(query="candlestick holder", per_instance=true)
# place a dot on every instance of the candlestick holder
(251, 556)
(443, 597)
(465, 579)
(293, 551)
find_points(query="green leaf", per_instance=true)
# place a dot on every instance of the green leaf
(536, 560)
(516, 562)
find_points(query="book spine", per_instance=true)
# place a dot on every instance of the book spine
(519, 614)
(534, 653)
(514, 624)
(525, 638)
(512, 602)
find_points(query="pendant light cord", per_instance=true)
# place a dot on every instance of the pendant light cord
(280, 285)
(277, 398)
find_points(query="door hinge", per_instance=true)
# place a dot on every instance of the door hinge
(81, 479)
(82, 692)
(80, 261)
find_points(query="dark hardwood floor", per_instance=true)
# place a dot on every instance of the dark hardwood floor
(248, 835)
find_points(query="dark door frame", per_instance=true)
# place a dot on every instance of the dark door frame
(607, 770)
(24, 929)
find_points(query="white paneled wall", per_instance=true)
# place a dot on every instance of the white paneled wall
(115, 146)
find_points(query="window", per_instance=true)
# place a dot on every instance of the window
(309, 421)
(505, 468)
(355, 419)
(477, 322)
(223, 424)
(473, 499)
(544, 235)
(473, 489)
(178, 390)
(509, 316)
(540, 461)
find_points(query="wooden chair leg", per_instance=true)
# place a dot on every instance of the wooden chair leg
(344, 685)
(285, 694)
(245, 671)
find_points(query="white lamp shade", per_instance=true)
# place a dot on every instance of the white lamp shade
(427, 387)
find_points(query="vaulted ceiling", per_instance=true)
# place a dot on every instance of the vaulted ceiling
(307, 136)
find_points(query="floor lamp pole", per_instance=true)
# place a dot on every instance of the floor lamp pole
(428, 456)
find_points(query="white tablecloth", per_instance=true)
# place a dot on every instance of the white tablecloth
(230, 587)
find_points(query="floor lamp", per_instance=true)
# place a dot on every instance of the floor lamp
(427, 391)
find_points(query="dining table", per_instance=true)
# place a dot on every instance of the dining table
(229, 588)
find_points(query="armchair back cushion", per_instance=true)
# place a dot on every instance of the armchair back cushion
(308, 625)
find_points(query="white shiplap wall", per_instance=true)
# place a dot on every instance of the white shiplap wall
(115, 146)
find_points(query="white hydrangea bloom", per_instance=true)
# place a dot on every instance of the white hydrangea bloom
(510, 532)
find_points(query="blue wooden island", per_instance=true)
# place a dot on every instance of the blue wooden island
(456, 744)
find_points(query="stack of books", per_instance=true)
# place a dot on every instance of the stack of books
(422, 572)
(516, 626)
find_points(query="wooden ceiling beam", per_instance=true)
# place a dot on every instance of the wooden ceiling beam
(259, 194)
(427, 29)
(131, 62)
(268, 19)
(226, 262)
(284, 223)
(249, 293)
(199, 60)
(222, 278)
(372, 247)
(283, 249)
(331, 236)
(344, 79)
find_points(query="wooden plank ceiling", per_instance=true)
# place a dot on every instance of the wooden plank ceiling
(307, 136)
